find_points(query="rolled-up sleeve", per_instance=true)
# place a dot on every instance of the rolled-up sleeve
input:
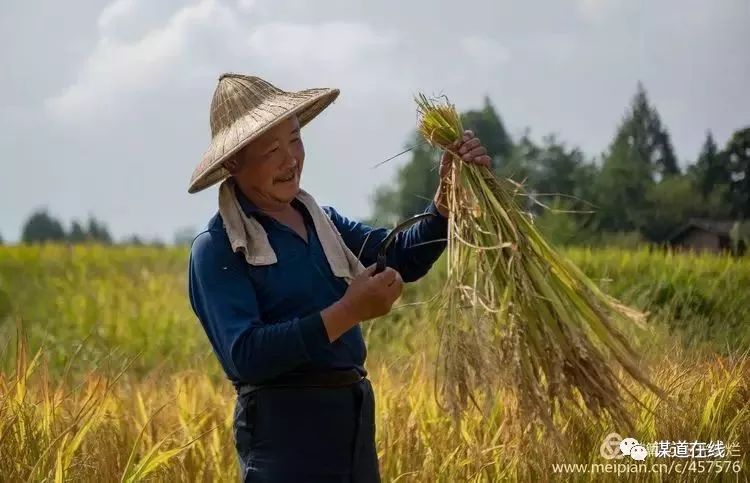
(412, 253)
(223, 297)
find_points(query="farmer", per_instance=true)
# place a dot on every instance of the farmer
(280, 285)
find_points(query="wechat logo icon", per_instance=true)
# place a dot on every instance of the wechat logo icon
(615, 446)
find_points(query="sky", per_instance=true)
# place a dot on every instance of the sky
(104, 107)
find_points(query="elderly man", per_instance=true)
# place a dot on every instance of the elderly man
(280, 285)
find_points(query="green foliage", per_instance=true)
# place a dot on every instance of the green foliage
(488, 126)
(740, 237)
(701, 298)
(562, 224)
(711, 171)
(414, 187)
(121, 298)
(41, 227)
(555, 169)
(639, 157)
(552, 171)
(77, 233)
(97, 231)
(646, 139)
(625, 178)
(737, 153)
(626, 240)
(669, 204)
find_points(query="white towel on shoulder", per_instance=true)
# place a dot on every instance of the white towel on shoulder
(248, 236)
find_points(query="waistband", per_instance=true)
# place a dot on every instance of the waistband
(320, 379)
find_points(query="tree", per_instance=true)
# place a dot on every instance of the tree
(584, 182)
(554, 168)
(648, 140)
(551, 170)
(520, 164)
(1, 240)
(740, 237)
(77, 233)
(561, 224)
(97, 231)
(624, 179)
(711, 169)
(415, 185)
(488, 127)
(156, 242)
(417, 180)
(670, 203)
(41, 227)
(640, 155)
(133, 240)
(386, 203)
(737, 157)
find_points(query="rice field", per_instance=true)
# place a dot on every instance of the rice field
(107, 376)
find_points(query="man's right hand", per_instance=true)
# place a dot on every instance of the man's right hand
(371, 296)
(368, 296)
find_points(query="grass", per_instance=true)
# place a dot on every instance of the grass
(84, 396)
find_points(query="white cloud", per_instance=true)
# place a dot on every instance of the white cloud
(558, 48)
(113, 12)
(333, 43)
(485, 50)
(246, 5)
(115, 68)
(596, 10)
(352, 56)
(204, 38)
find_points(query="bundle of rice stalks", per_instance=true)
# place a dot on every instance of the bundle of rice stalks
(515, 312)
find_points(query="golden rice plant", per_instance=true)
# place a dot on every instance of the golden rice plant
(514, 305)
(55, 430)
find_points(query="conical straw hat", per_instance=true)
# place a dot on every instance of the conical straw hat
(243, 108)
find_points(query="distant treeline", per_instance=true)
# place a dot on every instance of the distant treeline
(42, 227)
(635, 190)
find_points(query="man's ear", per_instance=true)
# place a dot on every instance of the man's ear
(231, 165)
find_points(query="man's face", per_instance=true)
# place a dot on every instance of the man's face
(271, 165)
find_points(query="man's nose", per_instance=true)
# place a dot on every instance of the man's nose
(290, 161)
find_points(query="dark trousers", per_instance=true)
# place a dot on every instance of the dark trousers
(307, 434)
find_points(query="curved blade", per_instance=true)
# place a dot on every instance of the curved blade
(383, 247)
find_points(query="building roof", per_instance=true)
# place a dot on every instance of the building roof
(717, 227)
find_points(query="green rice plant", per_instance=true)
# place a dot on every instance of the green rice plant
(513, 305)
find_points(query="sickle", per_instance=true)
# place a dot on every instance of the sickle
(383, 247)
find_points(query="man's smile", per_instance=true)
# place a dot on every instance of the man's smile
(287, 178)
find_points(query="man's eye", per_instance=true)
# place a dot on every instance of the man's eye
(295, 140)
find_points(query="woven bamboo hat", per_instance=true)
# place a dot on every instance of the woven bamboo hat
(243, 108)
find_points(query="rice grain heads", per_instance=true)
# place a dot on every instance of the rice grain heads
(515, 312)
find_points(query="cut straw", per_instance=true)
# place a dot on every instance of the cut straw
(514, 311)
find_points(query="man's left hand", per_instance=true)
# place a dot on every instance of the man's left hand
(471, 150)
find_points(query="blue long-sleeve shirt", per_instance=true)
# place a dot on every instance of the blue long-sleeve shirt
(263, 321)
